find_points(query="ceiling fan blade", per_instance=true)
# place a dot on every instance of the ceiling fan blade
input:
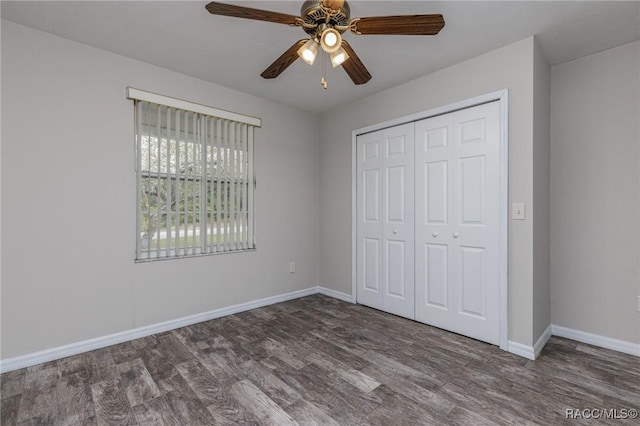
(223, 9)
(283, 62)
(354, 66)
(400, 25)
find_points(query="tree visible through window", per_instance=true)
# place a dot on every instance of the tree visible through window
(195, 183)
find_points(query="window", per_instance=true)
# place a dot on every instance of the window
(195, 181)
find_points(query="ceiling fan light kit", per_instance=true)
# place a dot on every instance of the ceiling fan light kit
(308, 51)
(330, 40)
(325, 21)
(338, 57)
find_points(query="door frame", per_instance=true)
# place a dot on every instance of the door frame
(502, 97)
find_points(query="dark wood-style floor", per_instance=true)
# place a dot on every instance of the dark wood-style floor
(317, 360)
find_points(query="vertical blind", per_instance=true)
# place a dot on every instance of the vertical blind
(195, 182)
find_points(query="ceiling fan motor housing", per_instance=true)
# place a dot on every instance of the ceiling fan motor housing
(315, 14)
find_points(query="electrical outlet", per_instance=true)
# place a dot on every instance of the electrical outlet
(517, 211)
(292, 267)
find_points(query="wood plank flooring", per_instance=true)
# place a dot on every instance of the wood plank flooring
(319, 361)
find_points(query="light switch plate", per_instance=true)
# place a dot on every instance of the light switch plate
(517, 211)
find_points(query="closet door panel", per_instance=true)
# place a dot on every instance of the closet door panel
(433, 160)
(398, 220)
(369, 219)
(475, 222)
(436, 273)
(436, 184)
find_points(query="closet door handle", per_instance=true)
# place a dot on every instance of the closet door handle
(395, 231)
(456, 235)
(434, 235)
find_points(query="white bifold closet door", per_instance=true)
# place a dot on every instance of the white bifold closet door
(385, 221)
(457, 221)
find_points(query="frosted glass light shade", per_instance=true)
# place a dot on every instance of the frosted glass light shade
(338, 57)
(331, 40)
(308, 52)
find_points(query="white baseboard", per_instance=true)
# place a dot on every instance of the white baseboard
(521, 350)
(542, 340)
(530, 352)
(52, 354)
(596, 340)
(337, 294)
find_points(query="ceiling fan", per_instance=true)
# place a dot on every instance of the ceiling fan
(325, 21)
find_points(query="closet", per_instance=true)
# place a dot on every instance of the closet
(428, 221)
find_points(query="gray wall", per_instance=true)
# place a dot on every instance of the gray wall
(541, 188)
(595, 205)
(68, 199)
(509, 67)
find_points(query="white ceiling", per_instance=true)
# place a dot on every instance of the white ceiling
(182, 36)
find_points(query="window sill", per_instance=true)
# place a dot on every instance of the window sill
(187, 256)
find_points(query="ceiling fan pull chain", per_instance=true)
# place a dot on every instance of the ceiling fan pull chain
(323, 80)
